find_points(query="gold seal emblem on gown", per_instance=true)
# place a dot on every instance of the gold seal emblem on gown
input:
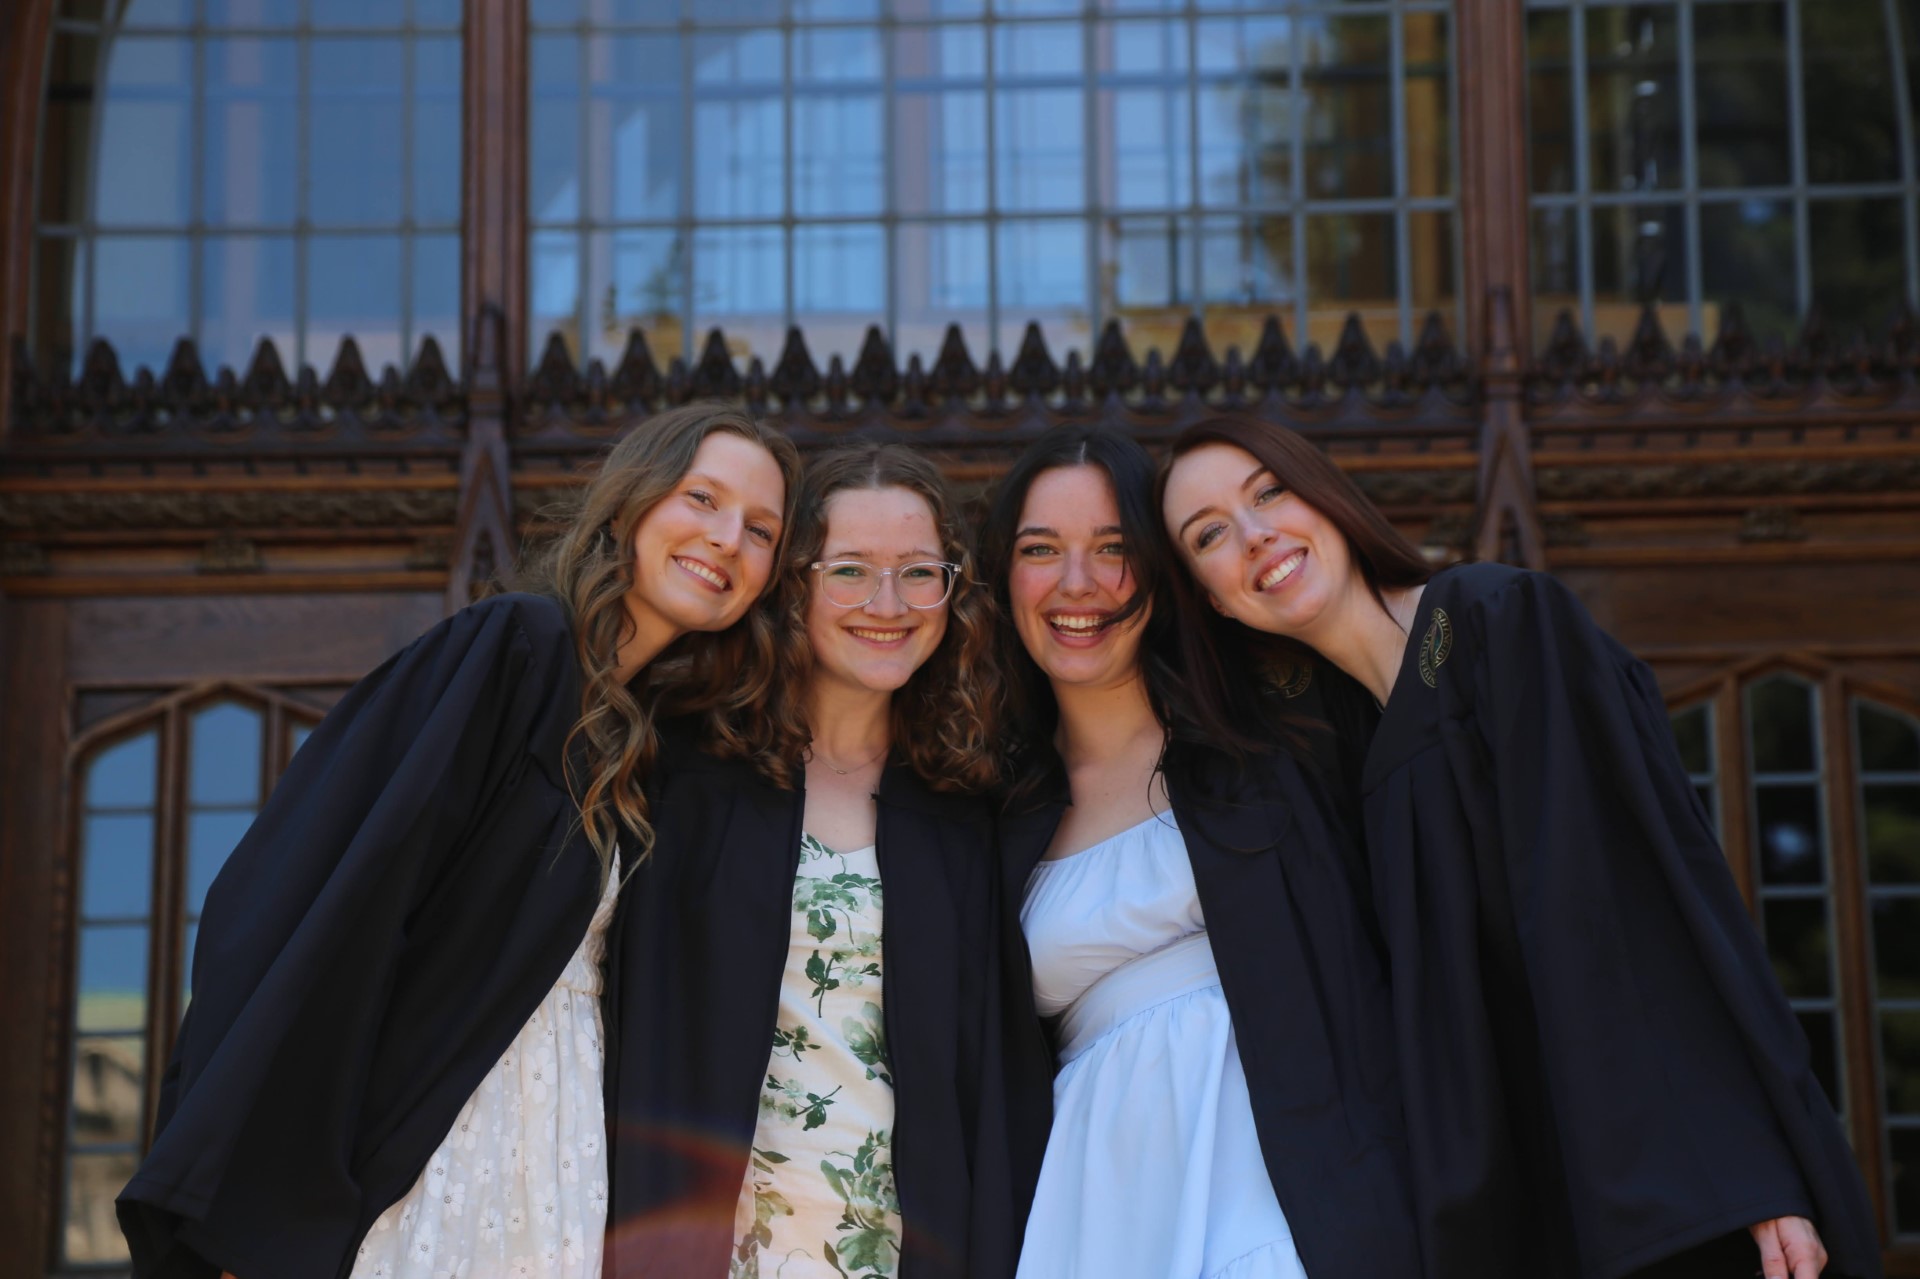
(1435, 645)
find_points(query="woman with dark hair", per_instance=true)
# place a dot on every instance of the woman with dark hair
(393, 1052)
(810, 1079)
(1226, 1105)
(1601, 1073)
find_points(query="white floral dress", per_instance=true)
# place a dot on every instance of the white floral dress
(819, 1200)
(519, 1186)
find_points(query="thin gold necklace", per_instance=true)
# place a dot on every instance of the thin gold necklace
(846, 772)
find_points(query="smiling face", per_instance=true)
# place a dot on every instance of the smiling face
(878, 646)
(1069, 577)
(703, 554)
(1264, 557)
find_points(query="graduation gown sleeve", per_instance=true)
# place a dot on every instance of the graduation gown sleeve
(293, 1096)
(1681, 1094)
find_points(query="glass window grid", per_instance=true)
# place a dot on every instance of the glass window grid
(283, 727)
(1005, 323)
(85, 235)
(1882, 1005)
(1765, 892)
(1690, 197)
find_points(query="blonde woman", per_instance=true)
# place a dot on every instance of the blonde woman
(393, 1053)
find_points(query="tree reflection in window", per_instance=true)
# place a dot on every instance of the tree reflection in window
(1888, 754)
(141, 884)
(1792, 883)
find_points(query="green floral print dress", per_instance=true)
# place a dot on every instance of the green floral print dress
(819, 1197)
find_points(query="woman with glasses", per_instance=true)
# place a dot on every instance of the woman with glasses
(809, 1082)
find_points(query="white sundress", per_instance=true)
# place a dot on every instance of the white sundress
(519, 1187)
(1153, 1169)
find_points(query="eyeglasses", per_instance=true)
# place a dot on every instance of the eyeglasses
(855, 583)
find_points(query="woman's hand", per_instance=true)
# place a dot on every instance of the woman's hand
(1790, 1248)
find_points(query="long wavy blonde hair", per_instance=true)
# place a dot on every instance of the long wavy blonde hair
(944, 719)
(588, 568)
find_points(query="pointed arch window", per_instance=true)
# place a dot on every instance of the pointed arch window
(161, 796)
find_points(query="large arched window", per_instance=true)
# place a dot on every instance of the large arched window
(162, 795)
(1814, 783)
(910, 163)
(229, 170)
(1690, 154)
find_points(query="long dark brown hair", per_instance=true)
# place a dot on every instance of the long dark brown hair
(1184, 681)
(944, 720)
(588, 568)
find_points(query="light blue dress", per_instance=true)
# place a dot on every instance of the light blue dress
(1153, 1169)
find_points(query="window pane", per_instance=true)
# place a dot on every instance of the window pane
(1633, 98)
(112, 979)
(1146, 274)
(1746, 256)
(1550, 101)
(146, 134)
(1692, 735)
(554, 299)
(1889, 742)
(938, 54)
(116, 860)
(177, 13)
(108, 1077)
(211, 837)
(435, 162)
(1740, 97)
(1039, 50)
(1429, 100)
(1891, 815)
(839, 157)
(1857, 281)
(1791, 844)
(839, 286)
(251, 143)
(1796, 931)
(1349, 96)
(553, 184)
(634, 126)
(244, 13)
(739, 285)
(1043, 277)
(355, 166)
(1900, 1055)
(1143, 149)
(1555, 245)
(743, 145)
(1896, 946)
(1639, 256)
(1246, 273)
(67, 127)
(436, 294)
(1780, 722)
(1137, 48)
(940, 152)
(355, 13)
(353, 287)
(1818, 1027)
(1352, 266)
(122, 776)
(638, 280)
(941, 279)
(246, 293)
(92, 1231)
(141, 297)
(1848, 87)
(1430, 263)
(1040, 153)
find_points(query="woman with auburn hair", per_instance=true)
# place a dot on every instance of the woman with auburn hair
(393, 1052)
(1226, 1105)
(1602, 1076)
(809, 1081)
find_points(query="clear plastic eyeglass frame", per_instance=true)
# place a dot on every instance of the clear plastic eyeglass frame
(951, 574)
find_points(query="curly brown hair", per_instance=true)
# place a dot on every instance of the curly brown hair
(944, 720)
(588, 568)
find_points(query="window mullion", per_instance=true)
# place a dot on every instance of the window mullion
(168, 905)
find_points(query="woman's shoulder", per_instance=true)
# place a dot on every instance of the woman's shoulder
(541, 619)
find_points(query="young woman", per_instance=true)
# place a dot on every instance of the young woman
(393, 1053)
(1226, 1105)
(809, 1077)
(1601, 1073)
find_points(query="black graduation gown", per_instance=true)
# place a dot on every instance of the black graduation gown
(410, 892)
(695, 968)
(1305, 986)
(1600, 1069)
